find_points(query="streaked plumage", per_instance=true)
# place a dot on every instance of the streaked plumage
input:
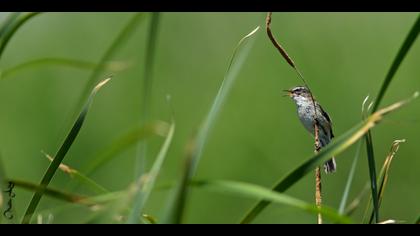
(305, 110)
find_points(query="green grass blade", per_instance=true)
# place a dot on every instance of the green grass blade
(417, 221)
(235, 63)
(77, 64)
(149, 219)
(372, 174)
(257, 192)
(49, 174)
(384, 174)
(11, 30)
(177, 202)
(352, 207)
(116, 44)
(147, 181)
(88, 182)
(121, 144)
(353, 167)
(333, 149)
(147, 91)
(408, 42)
(8, 22)
(70, 197)
(350, 179)
(57, 194)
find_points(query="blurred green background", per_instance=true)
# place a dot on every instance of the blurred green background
(257, 137)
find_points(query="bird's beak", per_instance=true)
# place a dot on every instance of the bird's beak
(288, 93)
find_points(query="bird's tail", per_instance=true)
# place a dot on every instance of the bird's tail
(330, 166)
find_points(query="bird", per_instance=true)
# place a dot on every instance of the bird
(305, 103)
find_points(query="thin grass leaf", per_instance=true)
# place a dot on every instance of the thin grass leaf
(13, 27)
(417, 221)
(149, 219)
(70, 197)
(385, 173)
(159, 128)
(147, 91)
(350, 178)
(49, 174)
(147, 182)
(333, 149)
(57, 194)
(372, 173)
(116, 44)
(408, 42)
(257, 192)
(8, 22)
(95, 204)
(351, 208)
(77, 64)
(175, 209)
(353, 166)
(73, 173)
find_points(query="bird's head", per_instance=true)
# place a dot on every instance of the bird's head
(299, 93)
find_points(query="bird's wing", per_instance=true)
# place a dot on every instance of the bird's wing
(325, 114)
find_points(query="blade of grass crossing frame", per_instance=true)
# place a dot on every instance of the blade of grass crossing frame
(147, 91)
(408, 42)
(236, 61)
(385, 173)
(71, 63)
(174, 212)
(8, 22)
(372, 174)
(353, 167)
(350, 178)
(147, 181)
(54, 193)
(12, 29)
(333, 149)
(254, 191)
(90, 183)
(121, 144)
(61, 154)
(116, 44)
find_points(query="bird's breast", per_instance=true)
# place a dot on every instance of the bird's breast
(305, 114)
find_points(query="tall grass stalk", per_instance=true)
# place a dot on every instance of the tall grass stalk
(353, 166)
(120, 41)
(175, 210)
(147, 91)
(61, 153)
(65, 62)
(10, 29)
